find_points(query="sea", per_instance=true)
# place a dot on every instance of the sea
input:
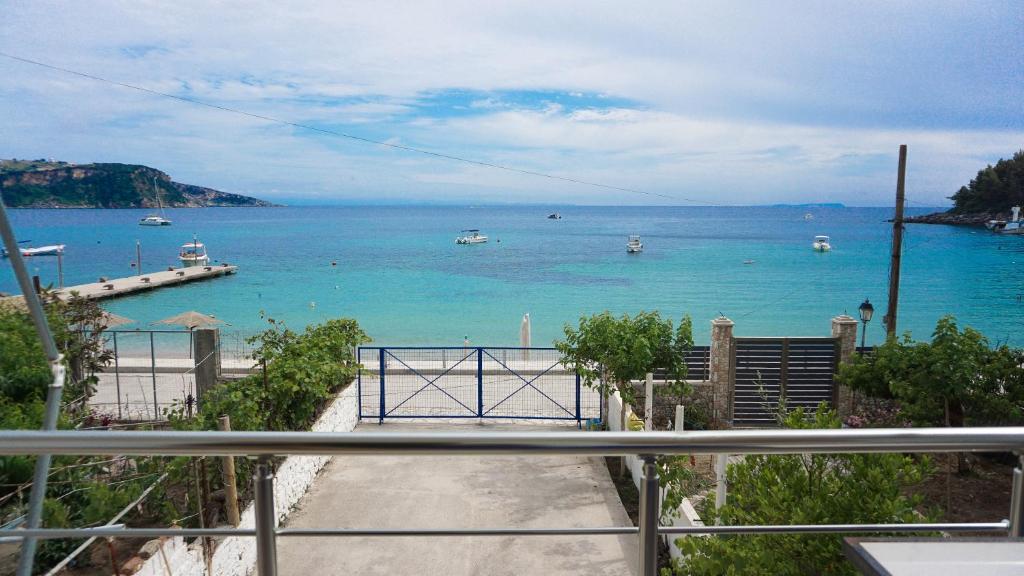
(398, 271)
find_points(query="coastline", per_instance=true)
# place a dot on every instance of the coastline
(953, 219)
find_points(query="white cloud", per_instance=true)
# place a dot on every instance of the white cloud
(756, 104)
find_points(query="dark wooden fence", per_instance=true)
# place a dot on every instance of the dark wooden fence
(766, 370)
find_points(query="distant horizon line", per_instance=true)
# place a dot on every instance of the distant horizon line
(436, 204)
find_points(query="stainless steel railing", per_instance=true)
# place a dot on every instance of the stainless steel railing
(646, 444)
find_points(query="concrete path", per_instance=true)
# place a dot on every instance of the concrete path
(460, 492)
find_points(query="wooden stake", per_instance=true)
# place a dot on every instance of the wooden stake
(230, 486)
(897, 247)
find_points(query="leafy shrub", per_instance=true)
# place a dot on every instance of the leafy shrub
(802, 489)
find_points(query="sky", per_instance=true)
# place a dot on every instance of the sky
(691, 102)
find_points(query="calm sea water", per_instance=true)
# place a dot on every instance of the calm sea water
(401, 275)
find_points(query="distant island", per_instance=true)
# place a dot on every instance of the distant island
(989, 196)
(55, 184)
(810, 205)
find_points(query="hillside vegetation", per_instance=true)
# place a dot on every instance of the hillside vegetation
(48, 184)
(995, 188)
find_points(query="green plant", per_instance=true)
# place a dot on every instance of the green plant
(803, 489)
(609, 352)
(957, 379)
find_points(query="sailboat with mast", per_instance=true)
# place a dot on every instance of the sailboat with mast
(153, 219)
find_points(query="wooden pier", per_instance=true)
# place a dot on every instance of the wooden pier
(151, 281)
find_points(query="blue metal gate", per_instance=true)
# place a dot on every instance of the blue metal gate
(463, 382)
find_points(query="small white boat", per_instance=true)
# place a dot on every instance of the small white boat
(808, 216)
(1014, 226)
(154, 220)
(472, 236)
(193, 254)
(821, 244)
(634, 245)
(51, 250)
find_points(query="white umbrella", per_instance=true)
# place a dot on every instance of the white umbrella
(524, 335)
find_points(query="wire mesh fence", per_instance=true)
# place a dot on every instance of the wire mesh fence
(513, 383)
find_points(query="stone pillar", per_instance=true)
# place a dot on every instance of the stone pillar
(720, 369)
(206, 352)
(844, 330)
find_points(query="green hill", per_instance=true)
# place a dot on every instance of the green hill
(49, 184)
(995, 188)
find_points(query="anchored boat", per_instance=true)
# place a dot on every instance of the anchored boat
(51, 250)
(471, 236)
(153, 219)
(821, 244)
(1014, 226)
(193, 254)
(634, 245)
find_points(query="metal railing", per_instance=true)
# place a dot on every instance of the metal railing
(649, 445)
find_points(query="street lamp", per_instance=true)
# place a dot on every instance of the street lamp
(866, 310)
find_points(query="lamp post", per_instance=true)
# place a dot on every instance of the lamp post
(866, 310)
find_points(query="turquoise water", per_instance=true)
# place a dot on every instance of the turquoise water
(401, 275)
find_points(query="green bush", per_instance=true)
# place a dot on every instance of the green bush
(299, 374)
(802, 489)
(957, 379)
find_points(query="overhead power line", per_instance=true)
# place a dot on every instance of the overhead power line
(362, 139)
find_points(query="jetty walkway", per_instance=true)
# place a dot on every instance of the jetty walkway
(150, 281)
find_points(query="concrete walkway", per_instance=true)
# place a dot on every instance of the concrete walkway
(460, 492)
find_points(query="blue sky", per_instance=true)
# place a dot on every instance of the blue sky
(723, 103)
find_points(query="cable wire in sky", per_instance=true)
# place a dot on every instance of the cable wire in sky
(353, 136)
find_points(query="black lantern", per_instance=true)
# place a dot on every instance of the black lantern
(866, 311)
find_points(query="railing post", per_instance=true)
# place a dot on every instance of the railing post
(117, 377)
(649, 517)
(266, 520)
(359, 381)
(579, 419)
(380, 414)
(152, 370)
(479, 382)
(1017, 500)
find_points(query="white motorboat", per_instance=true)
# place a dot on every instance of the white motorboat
(51, 250)
(153, 219)
(634, 245)
(193, 254)
(1014, 226)
(471, 236)
(821, 244)
(808, 216)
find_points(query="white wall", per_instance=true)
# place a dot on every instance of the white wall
(236, 556)
(687, 514)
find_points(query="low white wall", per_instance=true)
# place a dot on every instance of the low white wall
(236, 556)
(687, 514)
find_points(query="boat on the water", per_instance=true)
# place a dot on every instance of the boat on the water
(153, 219)
(821, 244)
(51, 250)
(471, 236)
(193, 254)
(808, 216)
(1013, 226)
(634, 245)
(554, 216)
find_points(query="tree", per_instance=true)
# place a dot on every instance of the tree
(956, 380)
(803, 489)
(994, 189)
(609, 352)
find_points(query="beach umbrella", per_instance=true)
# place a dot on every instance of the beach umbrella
(190, 320)
(524, 332)
(111, 320)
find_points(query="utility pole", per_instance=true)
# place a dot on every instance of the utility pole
(897, 247)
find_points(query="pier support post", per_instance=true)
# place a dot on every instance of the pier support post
(720, 368)
(206, 343)
(844, 330)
